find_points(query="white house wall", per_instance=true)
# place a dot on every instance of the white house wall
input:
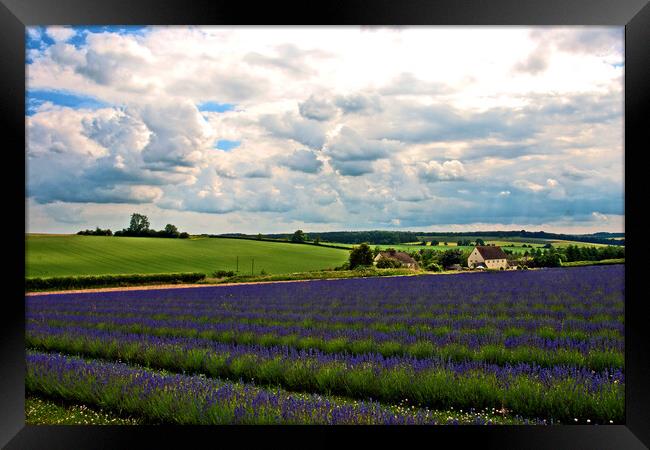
(496, 263)
(475, 258)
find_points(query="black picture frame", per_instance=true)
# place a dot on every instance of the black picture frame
(633, 14)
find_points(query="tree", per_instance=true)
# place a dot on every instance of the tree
(139, 223)
(317, 240)
(298, 236)
(259, 236)
(480, 241)
(361, 256)
(450, 257)
(171, 230)
(184, 235)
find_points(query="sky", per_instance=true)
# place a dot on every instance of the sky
(272, 129)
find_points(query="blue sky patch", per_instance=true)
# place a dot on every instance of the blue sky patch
(39, 40)
(35, 98)
(79, 39)
(226, 145)
(43, 40)
(215, 107)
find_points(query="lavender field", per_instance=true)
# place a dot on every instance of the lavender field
(541, 347)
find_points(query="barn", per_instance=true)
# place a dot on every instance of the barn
(487, 256)
(402, 257)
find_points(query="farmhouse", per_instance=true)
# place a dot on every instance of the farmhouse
(402, 257)
(488, 257)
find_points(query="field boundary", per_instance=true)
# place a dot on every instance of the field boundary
(186, 286)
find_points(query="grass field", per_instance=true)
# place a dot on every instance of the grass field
(412, 247)
(48, 255)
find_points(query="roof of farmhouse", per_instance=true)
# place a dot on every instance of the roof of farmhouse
(400, 256)
(491, 252)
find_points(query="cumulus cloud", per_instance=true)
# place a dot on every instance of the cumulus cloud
(329, 133)
(59, 34)
(447, 171)
(289, 126)
(317, 109)
(302, 161)
(408, 84)
(359, 104)
(537, 61)
(352, 154)
(64, 213)
(288, 58)
(552, 188)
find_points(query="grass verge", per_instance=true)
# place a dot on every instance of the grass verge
(47, 411)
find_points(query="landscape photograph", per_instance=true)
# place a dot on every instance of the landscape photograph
(324, 225)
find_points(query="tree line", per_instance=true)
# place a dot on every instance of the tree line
(342, 237)
(436, 260)
(596, 238)
(139, 227)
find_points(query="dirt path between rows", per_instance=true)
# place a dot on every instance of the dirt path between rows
(187, 286)
(161, 286)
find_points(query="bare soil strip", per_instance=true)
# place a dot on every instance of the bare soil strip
(166, 286)
(185, 286)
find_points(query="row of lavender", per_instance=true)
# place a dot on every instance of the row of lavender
(323, 337)
(559, 392)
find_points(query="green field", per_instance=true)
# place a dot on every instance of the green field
(65, 255)
(408, 247)
(514, 245)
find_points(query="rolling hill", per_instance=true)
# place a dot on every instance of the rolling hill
(63, 255)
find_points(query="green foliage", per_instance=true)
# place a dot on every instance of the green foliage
(358, 237)
(361, 256)
(171, 230)
(223, 273)
(139, 223)
(61, 283)
(593, 263)
(388, 263)
(433, 267)
(547, 258)
(573, 253)
(96, 232)
(451, 257)
(344, 266)
(299, 236)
